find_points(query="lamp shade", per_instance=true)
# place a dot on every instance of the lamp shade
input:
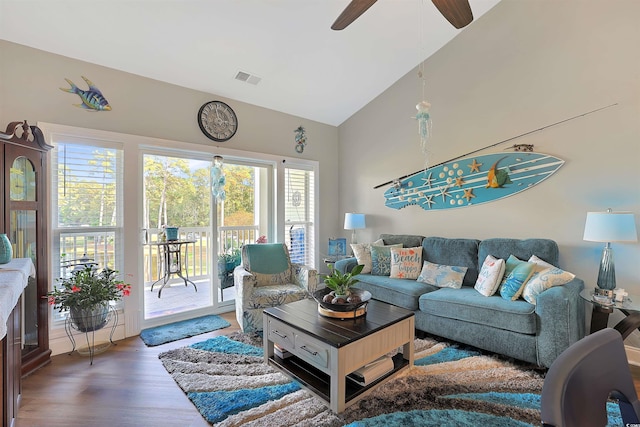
(610, 227)
(354, 221)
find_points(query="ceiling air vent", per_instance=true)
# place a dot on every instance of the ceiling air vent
(248, 78)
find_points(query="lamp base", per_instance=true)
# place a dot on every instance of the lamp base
(607, 272)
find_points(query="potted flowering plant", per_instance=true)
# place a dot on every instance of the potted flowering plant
(86, 294)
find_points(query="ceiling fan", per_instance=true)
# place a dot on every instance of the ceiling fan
(457, 12)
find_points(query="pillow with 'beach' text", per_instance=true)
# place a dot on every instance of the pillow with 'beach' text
(406, 263)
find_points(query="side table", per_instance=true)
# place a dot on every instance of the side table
(170, 262)
(630, 307)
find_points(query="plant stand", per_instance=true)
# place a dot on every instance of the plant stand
(92, 349)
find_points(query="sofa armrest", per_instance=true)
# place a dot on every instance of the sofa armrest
(305, 276)
(345, 265)
(561, 320)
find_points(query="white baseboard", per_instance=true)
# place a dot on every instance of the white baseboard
(60, 343)
(633, 355)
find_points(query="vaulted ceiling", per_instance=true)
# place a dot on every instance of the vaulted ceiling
(304, 68)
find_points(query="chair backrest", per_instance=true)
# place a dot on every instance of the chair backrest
(270, 262)
(580, 380)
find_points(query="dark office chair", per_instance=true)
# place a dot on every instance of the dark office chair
(582, 378)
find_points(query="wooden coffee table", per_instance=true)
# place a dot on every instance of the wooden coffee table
(326, 350)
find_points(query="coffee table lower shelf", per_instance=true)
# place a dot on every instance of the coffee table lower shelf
(318, 382)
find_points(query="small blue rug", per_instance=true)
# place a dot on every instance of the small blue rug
(183, 329)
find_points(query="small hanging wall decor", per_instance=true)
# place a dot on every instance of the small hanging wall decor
(218, 180)
(301, 139)
(92, 99)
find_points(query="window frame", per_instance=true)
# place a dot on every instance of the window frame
(112, 231)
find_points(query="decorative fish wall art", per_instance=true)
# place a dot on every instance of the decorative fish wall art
(92, 99)
(472, 180)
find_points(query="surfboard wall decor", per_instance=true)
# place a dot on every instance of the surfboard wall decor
(472, 181)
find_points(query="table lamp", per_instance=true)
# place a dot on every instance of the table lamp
(354, 221)
(609, 227)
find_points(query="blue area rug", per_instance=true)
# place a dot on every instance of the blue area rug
(183, 329)
(229, 383)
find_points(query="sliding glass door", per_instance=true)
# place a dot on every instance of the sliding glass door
(243, 216)
(177, 273)
(193, 269)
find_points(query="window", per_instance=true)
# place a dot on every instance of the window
(86, 204)
(299, 214)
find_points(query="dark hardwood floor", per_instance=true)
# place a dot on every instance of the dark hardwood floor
(127, 386)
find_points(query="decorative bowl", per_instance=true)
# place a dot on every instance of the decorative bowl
(365, 296)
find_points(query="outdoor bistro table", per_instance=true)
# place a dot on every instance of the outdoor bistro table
(170, 262)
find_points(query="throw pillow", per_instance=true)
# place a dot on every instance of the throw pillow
(406, 262)
(520, 272)
(442, 276)
(362, 252)
(490, 276)
(381, 260)
(545, 276)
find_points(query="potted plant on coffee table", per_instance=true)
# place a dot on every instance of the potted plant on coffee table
(340, 284)
(86, 293)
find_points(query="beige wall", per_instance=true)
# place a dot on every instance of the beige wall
(522, 66)
(29, 89)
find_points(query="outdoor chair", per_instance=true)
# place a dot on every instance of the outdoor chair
(268, 278)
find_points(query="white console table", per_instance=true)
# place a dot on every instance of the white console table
(14, 277)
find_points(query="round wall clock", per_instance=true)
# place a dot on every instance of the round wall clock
(217, 121)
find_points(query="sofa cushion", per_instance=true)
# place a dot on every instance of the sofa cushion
(517, 274)
(501, 248)
(381, 260)
(468, 305)
(490, 276)
(400, 292)
(406, 263)
(544, 277)
(407, 240)
(442, 276)
(362, 252)
(459, 252)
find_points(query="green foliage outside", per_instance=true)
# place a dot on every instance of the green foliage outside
(176, 194)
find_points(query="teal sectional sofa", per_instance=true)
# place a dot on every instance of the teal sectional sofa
(532, 333)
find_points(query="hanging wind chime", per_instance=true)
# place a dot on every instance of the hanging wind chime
(218, 179)
(425, 125)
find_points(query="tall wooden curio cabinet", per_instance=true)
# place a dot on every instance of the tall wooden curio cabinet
(25, 220)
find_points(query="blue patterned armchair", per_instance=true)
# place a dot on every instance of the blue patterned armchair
(267, 278)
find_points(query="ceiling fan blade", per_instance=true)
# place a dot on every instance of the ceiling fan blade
(458, 12)
(351, 13)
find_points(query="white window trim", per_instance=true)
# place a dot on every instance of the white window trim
(133, 145)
